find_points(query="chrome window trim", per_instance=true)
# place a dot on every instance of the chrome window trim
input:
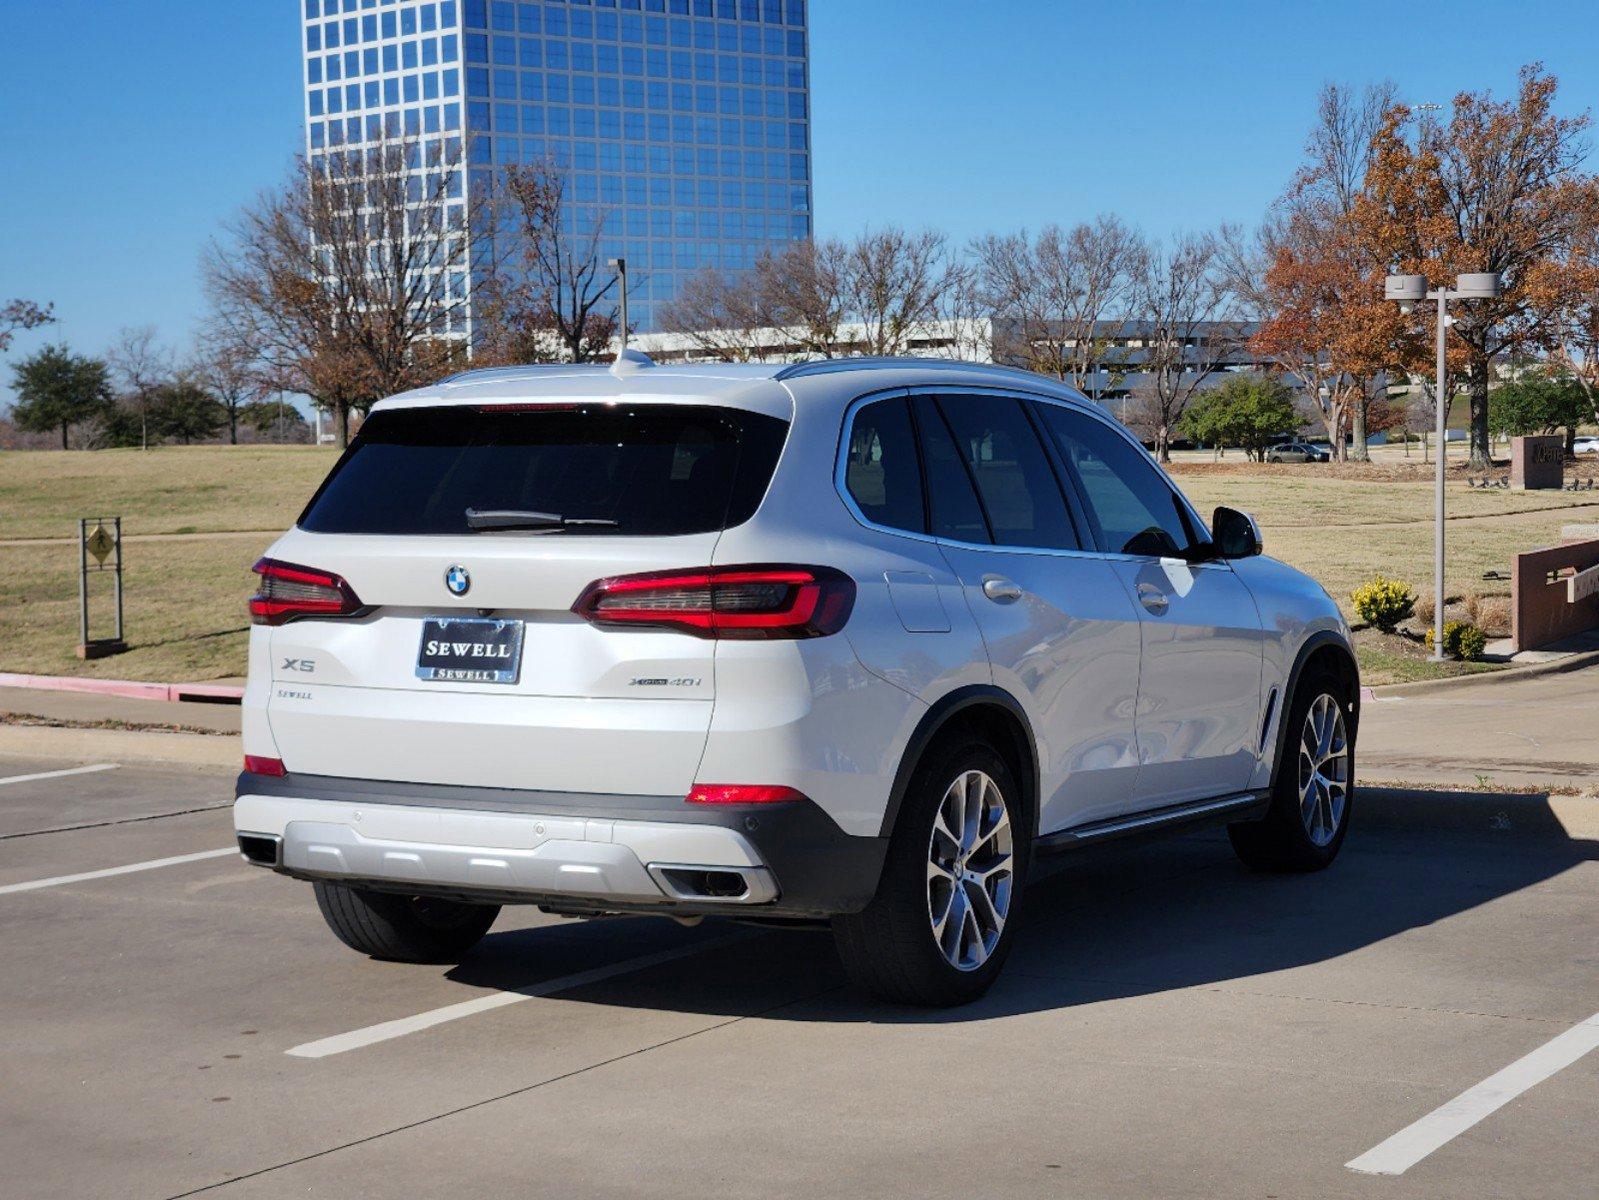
(1086, 407)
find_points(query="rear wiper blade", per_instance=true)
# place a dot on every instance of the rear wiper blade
(522, 518)
(511, 518)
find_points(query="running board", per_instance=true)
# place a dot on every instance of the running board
(1226, 808)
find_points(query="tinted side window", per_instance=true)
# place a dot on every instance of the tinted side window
(1136, 510)
(1014, 478)
(880, 466)
(956, 513)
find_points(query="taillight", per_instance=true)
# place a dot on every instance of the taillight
(749, 602)
(257, 765)
(742, 793)
(288, 591)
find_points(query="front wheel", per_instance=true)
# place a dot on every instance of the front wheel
(414, 929)
(1312, 795)
(941, 925)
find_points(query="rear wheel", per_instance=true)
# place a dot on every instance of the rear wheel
(941, 925)
(1313, 792)
(419, 929)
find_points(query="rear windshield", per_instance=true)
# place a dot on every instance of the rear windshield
(604, 469)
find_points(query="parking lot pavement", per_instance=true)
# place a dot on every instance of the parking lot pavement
(1169, 1025)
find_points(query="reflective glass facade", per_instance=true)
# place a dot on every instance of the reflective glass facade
(683, 125)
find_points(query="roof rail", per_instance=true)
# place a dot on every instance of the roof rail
(482, 374)
(827, 366)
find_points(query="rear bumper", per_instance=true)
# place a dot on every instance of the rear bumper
(568, 850)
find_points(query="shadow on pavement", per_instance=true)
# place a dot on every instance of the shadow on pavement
(1112, 923)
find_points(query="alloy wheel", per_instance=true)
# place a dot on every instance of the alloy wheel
(970, 870)
(1323, 770)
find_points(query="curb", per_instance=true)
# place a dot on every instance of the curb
(1426, 687)
(128, 689)
(1498, 814)
(121, 745)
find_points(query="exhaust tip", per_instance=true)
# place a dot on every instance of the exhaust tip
(732, 885)
(263, 849)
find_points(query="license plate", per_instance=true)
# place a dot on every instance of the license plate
(470, 650)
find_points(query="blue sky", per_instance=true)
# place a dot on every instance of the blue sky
(132, 129)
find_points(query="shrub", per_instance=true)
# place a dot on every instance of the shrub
(1384, 603)
(1462, 640)
(1491, 614)
(1470, 642)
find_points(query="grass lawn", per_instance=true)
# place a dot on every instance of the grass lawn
(1394, 658)
(185, 597)
(171, 489)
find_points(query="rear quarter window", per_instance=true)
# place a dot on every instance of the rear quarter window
(618, 470)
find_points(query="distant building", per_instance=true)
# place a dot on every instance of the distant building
(1123, 347)
(684, 125)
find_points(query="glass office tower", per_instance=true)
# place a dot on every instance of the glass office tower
(683, 126)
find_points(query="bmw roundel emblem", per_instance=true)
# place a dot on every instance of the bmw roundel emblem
(458, 580)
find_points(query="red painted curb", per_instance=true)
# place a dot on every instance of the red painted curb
(216, 693)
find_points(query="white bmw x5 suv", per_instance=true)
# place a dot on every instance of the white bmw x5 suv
(841, 642)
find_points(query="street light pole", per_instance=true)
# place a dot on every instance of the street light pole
(1438, 486)
(1407, 290)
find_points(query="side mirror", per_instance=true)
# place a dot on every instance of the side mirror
(1236, 534)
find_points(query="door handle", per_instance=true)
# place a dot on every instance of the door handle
(1153, 599)
(1001, 590)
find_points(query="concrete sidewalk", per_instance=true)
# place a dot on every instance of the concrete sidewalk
(1538, 732)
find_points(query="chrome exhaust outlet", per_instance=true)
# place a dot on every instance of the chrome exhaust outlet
(262, 849)
(715, 885)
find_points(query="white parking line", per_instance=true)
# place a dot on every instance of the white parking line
(372, 1034)
(1415, 1142)
(58, 880)
(59, 774)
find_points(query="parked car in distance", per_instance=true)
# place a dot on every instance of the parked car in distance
(840, 644)
(1586, 445)
(1297, 452)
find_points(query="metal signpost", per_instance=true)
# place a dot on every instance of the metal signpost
(99, 541)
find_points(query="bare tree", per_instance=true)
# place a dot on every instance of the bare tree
(720, 313)
(140, 365)
(349, 283)
(18, 315)
(229, 370)
(803, 289)
(895, 284)
(1188, 328)
(545, 278)
(1058, 291)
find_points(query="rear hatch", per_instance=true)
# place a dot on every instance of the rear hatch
(461, 537)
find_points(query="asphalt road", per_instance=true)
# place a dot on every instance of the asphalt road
(1168, 1026)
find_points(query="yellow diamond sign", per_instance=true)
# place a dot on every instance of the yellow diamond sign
(100, 544)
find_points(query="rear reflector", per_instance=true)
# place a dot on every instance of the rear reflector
(745, 602)
(742, 793)
(256, 765)
(289, 591)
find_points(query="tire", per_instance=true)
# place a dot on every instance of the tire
(1313, 792)
(413, 929)
(892, 948)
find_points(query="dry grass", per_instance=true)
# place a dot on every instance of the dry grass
(171, 489)
(184, 609)
(185, 597)
(1343, 531)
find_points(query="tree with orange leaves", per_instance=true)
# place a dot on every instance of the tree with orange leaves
(1317, 280)
(1499, 186)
